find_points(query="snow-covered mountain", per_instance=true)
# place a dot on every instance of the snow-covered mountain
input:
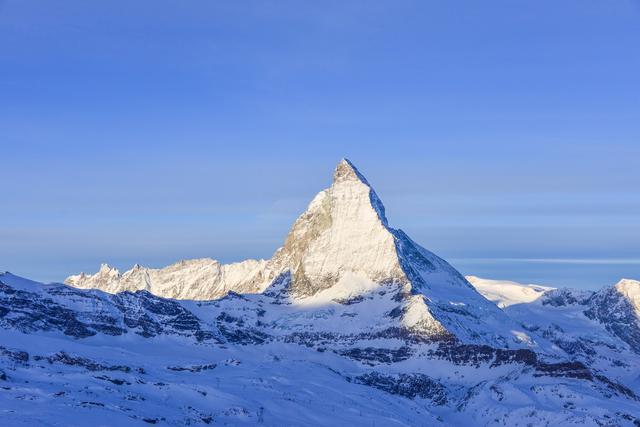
(505, 293)
(615, 308)
(618, 308)
(349, 323)
(78, 357)
(601, 329)
(341, 247)
(198, 279)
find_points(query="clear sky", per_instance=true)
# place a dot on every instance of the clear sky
(502, 135)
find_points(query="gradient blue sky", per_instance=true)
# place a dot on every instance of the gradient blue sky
(503, 135)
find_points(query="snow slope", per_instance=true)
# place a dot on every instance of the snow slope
(505, 293)
(601, 329)
(351, 323)
(73, 357)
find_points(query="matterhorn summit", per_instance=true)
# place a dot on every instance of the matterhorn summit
(343, 232)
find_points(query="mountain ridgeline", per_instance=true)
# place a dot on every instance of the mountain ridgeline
(350, 322)
(342, 244)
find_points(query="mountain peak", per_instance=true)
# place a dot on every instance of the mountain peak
(343, 231)
(340, 247)
(347, 171)
(107, 269)
(347, 175)
(630, 290)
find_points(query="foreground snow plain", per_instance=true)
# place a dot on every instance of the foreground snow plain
(236, 376)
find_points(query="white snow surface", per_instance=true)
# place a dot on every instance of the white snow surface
(505, 292)
(601, 329)
(349, 323)
(315, 369)
(188, 279)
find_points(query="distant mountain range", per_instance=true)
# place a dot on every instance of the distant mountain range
(349, 323)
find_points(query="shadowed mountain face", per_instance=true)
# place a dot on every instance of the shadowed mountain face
(348, 312)
(618, 308)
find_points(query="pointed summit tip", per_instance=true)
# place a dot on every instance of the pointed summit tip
(346, 171)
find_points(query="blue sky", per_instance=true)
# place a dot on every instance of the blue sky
(502, 135)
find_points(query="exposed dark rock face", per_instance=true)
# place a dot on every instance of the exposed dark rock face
(575, 347)
(619, 316)
(470, 354)
(28, 312)
(16, 356)
(350, 301)
(83, 362)
(373, 355)
(150, 316)
(411, 259)
(193, 368)
(97, 313)
(116, 381)
(243, 336)
(407, 385)
(477, 355)
(565, 297)
(565, 369)
(618, 388)
(280, 289)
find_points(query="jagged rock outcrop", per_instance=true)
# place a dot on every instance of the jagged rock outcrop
(618, 308)
(32, 307)
(198, 279)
